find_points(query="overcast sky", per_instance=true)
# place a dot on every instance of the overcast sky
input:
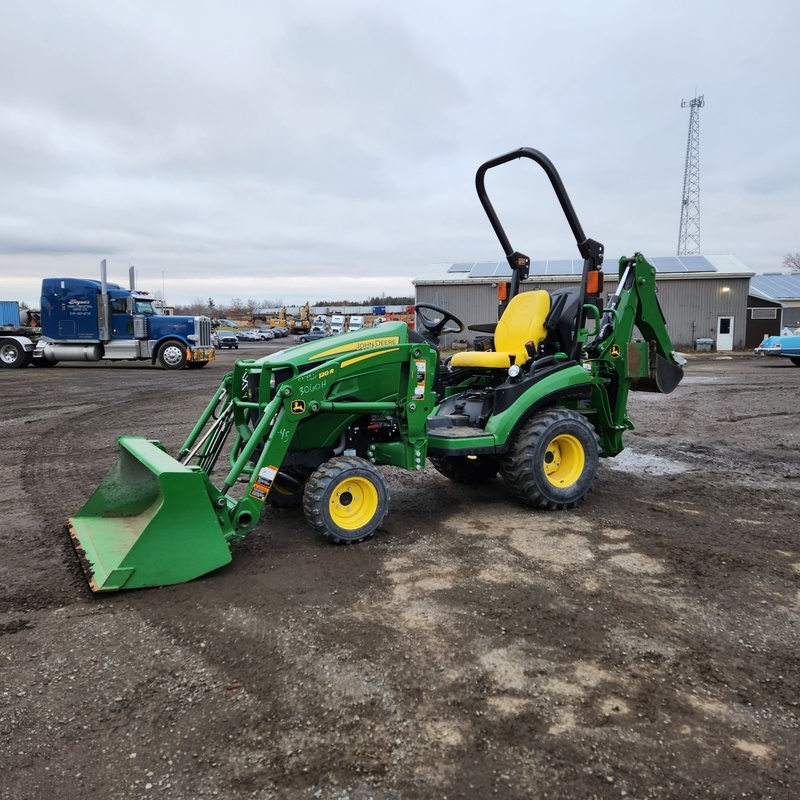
(306, 150)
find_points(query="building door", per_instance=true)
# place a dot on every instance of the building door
(724, 333)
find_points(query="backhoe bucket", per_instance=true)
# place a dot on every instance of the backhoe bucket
(649, 371)
(151, 522)
(662, 377)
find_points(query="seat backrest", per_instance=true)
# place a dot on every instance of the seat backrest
(522, 322)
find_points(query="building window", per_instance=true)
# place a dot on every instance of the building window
(763, 313)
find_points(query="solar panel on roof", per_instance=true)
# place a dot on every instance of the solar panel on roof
(538, 268)
(777, 287)
(697, 264)
(485, 269)
(667, 264)
(562, 266)
(502, 270)
(462, 267)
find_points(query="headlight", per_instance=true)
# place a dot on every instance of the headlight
(192, 337)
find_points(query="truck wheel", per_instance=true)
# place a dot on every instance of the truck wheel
(553, 462)
(346, 499)
(172, 355)
(466, 469)
(13, 355)
(43, 362)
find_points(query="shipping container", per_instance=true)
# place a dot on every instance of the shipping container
(9, 313)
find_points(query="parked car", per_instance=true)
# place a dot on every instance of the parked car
(227, 339)
(313, 336)
(264, 333)
(248, 336)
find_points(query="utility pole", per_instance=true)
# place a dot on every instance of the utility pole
(689, 235)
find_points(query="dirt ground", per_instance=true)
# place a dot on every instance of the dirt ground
(644, 645)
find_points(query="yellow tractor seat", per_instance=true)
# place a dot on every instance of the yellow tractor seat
(522, 322)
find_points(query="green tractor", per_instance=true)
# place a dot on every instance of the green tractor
(312, 424)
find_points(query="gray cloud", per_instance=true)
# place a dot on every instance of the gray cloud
(296, 151)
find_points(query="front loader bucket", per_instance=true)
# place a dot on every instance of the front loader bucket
(151, 522)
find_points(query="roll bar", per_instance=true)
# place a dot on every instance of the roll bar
(590, 250)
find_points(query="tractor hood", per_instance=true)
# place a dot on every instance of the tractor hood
(385, 335)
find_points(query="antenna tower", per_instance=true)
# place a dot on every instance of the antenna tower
(689, 236)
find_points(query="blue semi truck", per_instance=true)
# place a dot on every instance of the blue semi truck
(89, 320)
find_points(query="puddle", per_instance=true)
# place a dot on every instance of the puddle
(630, 461)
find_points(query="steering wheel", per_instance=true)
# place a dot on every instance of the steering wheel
(435, 323)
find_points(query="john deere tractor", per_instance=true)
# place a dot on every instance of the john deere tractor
(314, 423)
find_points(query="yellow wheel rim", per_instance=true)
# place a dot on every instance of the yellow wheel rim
(353, 503)
(564, 461)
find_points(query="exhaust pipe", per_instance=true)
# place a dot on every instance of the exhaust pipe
(102, 312)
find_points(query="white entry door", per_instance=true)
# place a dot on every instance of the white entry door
(724, 333)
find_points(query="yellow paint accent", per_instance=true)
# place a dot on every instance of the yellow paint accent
(353, 503)
(522, 322)
(487, 359)
(368, 355)
(365, 344)
(564, 461)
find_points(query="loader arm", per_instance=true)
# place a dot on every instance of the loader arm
(618, 363)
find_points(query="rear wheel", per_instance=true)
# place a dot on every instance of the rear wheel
(554, 460)
(346, 499)
(13, 355)
(466, 469)
(172, 355)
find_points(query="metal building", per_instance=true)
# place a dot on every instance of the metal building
(703, 297)
(774, 305)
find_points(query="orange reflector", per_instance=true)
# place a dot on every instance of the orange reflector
(502, 290)
(594, 282)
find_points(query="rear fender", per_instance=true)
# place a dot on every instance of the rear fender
(569, 384)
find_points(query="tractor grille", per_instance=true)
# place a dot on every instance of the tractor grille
(202, 326)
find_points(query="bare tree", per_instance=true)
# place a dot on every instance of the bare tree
(792, 261)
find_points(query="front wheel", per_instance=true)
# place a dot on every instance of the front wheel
(553, 462)
(346, 499)
(13, 355)
(172, 355)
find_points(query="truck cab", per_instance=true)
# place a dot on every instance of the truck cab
(356, 324)
(89, 320)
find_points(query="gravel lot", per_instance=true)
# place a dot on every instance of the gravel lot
(644, 645)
